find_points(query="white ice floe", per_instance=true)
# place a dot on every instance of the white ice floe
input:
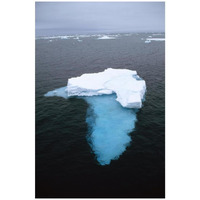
(64, 37)
(57, 37)
(156, 39)
(105, 37)
(127, 85)
(147, 41)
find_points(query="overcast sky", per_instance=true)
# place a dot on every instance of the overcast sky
(88, 17)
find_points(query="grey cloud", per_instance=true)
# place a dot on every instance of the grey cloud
(100, 16)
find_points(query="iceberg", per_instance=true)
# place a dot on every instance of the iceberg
(110, 95)
(127, 85)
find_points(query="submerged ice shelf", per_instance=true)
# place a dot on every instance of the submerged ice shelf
(109, 127)
(109, 94)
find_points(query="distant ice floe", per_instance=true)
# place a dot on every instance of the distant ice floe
(55, 37)
(109, 94)
(77, 37)
(64, 37)
(156, 39)
(80, 37)
(148, 40)
(106, 37)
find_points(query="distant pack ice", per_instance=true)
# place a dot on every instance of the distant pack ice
(127, 85)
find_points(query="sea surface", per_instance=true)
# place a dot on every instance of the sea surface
(66, 165)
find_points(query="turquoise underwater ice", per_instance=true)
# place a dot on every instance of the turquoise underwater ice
(109, 125)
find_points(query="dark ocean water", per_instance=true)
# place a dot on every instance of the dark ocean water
(65, 163)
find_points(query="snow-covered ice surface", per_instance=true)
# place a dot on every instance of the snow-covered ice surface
(109, 122)
(127, 85)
